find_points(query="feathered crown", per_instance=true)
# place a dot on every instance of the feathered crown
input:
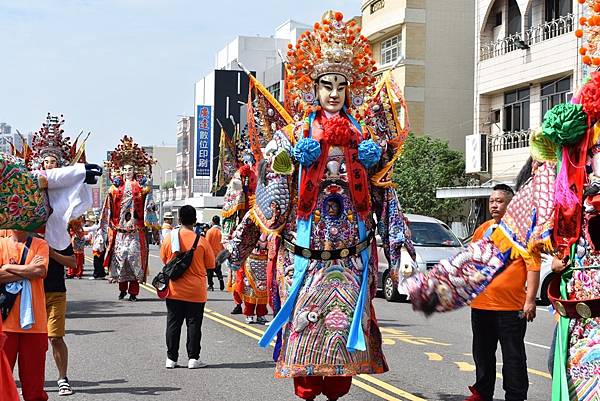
(49, 141)
(332, 47)
(130, 153)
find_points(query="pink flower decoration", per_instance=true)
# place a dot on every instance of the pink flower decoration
(336, 320)
(14, 205)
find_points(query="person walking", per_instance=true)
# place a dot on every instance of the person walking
(187, 295)
(215, 239)
(500, 314)
(56, 311)
(24, 264)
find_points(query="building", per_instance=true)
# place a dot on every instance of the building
(526, 62)
(218, 99)
(435, 42)
(6, 138)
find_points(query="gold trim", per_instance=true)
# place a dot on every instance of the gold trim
(560, 308)
(325, 255)
(344, 253)
(583, 310)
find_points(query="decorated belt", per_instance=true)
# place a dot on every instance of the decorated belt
(330, 254)
(573, 309)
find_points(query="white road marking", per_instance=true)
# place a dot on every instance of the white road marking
(537, 345)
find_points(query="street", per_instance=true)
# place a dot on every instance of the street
(117, 351)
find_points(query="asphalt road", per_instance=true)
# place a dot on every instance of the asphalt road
(117, 352)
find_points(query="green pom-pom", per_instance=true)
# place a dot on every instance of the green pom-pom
(565, 124)
(282, 163)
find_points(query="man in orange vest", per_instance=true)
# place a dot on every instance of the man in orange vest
(214, 238)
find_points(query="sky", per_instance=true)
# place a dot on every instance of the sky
(115, 67)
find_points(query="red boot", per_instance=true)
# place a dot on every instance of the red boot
(475, 396)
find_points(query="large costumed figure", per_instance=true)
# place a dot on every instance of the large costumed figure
(122, 221)
(555, 212)
(323, 191)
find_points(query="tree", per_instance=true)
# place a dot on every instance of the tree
(426, 164)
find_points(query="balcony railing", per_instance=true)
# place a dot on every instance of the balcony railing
(533, 35)
(509, 140)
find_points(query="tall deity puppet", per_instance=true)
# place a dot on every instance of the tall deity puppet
(122, 221)
(323, 190)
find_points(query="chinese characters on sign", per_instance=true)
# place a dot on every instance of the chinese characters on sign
(203, 126)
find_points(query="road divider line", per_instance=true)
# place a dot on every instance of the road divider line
(465, 366)
(390, 388)
(539, 373)
(231, 326)
(244, 325)
(373, 390)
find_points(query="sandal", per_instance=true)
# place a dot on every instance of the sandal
(64, 388)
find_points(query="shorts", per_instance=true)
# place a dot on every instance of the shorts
(56, 309)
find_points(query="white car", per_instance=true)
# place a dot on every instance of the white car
(433, 241)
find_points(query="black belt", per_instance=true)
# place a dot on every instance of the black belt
(331, 254)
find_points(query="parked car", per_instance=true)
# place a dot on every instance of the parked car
(433, 241)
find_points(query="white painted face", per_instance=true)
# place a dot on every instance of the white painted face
(331, 91)
(596, 164)
(128, 172)
(50, 162)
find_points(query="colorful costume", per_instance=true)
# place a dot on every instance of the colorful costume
(317, 212)
(122, 218)
(78, 241)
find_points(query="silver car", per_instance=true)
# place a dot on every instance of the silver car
(433, 241)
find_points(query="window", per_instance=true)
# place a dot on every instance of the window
(390, 49)
(514, 18)
(495, 116)
(179, 144)
(554, 93)
(498, 19)
(377, 5)
(557, 8)
(275, 90)
(516, 110)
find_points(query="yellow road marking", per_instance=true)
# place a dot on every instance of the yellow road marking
(539, 373)
(465, 366)
(390, 336)
(231, 326)
(246, 326)
(373, 390)
(433, 356)
(391, 388)
(241, 328)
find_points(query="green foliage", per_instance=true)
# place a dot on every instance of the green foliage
(426, 164)
(168, 184)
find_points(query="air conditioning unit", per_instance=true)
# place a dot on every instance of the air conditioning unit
(476, 154)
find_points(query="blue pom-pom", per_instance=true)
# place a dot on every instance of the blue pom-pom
(369, 153)
(306, 151)
(117, 181)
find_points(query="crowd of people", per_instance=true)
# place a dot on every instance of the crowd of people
(311, 189)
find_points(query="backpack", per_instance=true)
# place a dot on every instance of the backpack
(175, 267)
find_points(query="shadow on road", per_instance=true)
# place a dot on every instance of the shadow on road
(244, 365)
(80, 387)
(87, 332)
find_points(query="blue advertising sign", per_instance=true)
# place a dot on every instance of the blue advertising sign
(203, 125)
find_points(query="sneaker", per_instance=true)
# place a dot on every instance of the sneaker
(237, 310)
(261, 320)
(122, 295)
(221, 285)
(475, 396)
(133, 298)
(196, 364)
(64, 387)
(249, 319)
(170, 364)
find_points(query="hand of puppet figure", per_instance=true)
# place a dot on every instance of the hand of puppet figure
(92, 172)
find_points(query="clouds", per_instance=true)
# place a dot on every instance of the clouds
(122, 66)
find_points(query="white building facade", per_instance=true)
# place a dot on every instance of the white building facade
(526, 62)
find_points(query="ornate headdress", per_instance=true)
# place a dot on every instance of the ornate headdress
(130, 153)
(49, 141)
(332, 47)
